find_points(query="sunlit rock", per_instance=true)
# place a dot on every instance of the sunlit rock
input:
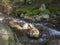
(15, 24)
(34, 33)
(26, 26)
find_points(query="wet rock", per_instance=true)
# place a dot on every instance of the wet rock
(46, 16)
(29, 19)
(32, 30)
(34, 33)
(36, 18)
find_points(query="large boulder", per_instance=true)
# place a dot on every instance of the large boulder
(6, 35)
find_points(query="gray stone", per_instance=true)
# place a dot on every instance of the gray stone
(43, 7)
(5, 33)
(46, 16)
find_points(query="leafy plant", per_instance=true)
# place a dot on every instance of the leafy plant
(30, 11)
(15, 1)
(45, 11)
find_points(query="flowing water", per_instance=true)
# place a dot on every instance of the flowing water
(47, 34)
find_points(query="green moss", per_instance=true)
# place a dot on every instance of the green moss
(10, 40)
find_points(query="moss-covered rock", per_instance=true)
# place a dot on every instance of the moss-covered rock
(6, 35)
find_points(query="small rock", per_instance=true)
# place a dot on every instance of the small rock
(34, 33)
(38, 18)
(46, 16)
(43, 7)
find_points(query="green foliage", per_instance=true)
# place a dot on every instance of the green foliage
(30, 11)
(45, 11)
(22, 1)
(7, 0)
(15, 1)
